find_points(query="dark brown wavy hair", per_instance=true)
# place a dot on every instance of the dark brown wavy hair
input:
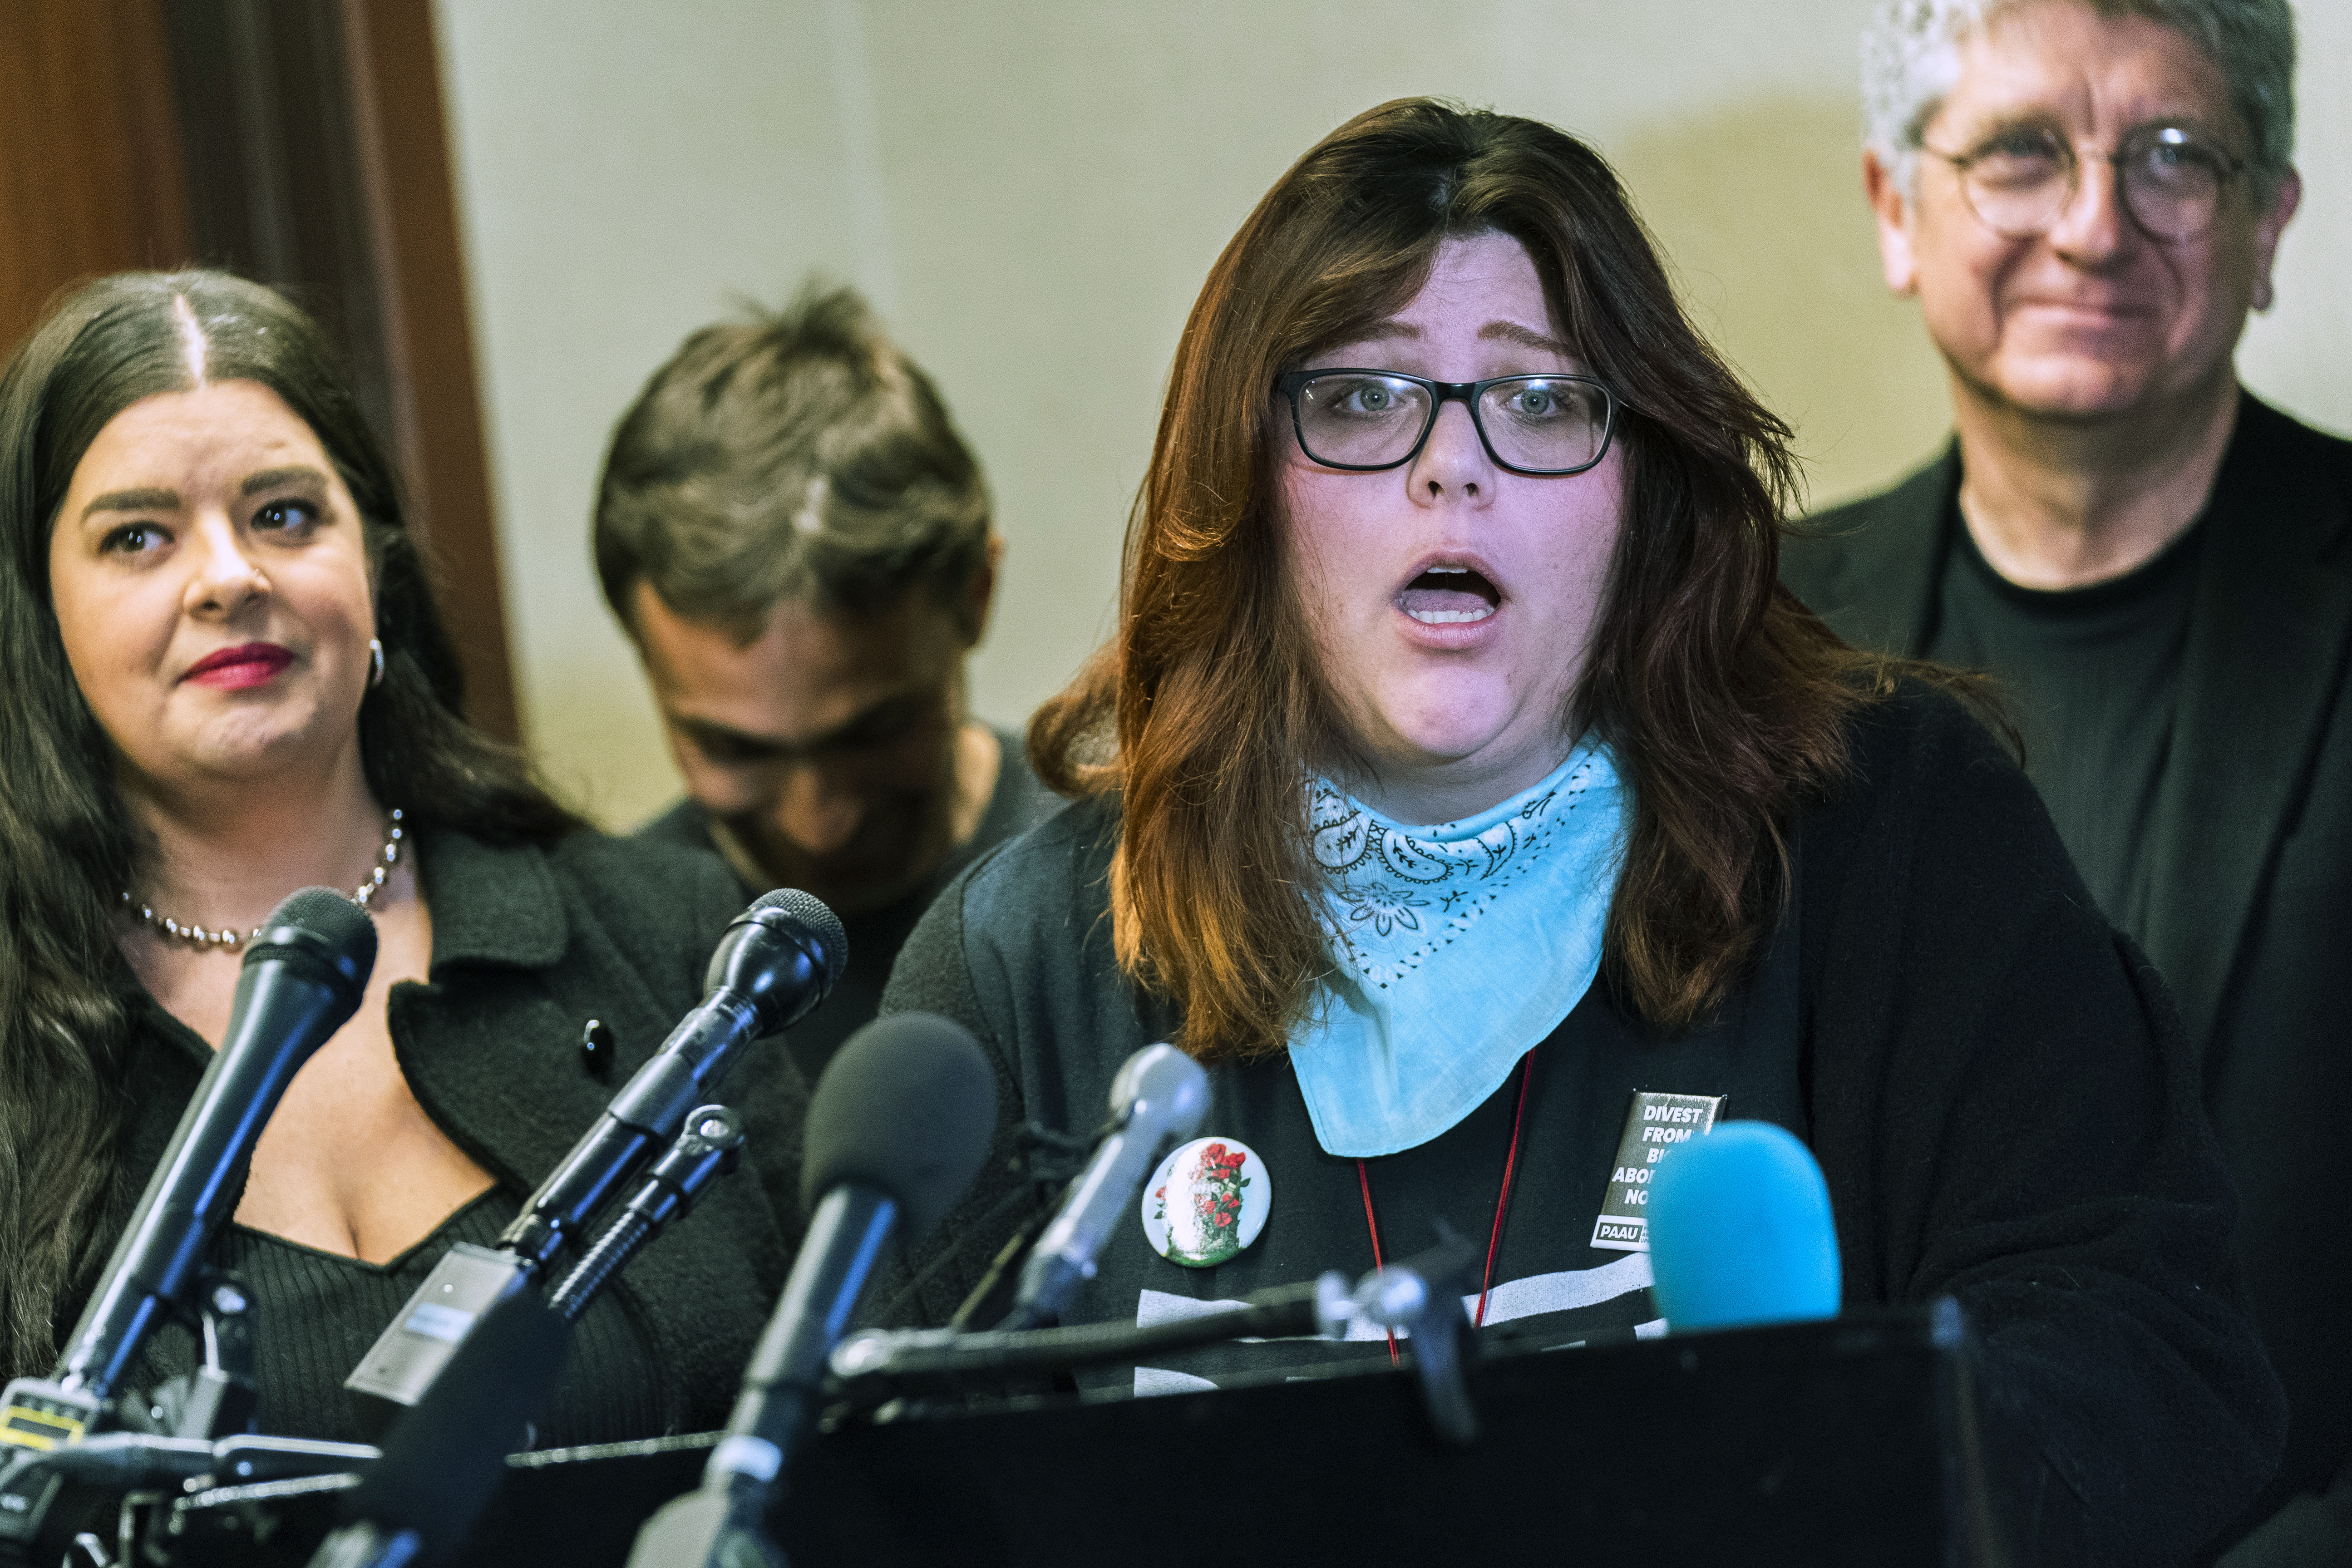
(1725, 699)
(68, 1001)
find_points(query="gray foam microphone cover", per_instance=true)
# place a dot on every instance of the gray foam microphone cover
(907, 1106)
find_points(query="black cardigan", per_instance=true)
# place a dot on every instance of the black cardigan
(528, 945)
(2251, 866)
(1995, 1083)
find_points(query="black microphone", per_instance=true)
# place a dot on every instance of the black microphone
(300, 982)
(303, 979)
(898, 1127)
(445, 1458)
(775, 963)
(1156, 1101)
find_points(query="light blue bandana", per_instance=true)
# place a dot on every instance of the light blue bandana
(1458, 948)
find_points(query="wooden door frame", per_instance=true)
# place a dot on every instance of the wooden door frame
(403, 148)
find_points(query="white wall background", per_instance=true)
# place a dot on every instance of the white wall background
(1031, 191)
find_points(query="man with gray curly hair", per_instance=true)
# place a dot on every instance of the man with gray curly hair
(798, 541)
(2085, 199)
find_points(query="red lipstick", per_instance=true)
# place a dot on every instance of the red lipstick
(235, 669)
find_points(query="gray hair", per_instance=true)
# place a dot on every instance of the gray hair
(801, 456)
(1910, 58)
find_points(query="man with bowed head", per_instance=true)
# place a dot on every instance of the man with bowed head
(2086, 200)
(798, 541)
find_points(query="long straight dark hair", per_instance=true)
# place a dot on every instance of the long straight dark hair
(67, 846)
(1725, 699)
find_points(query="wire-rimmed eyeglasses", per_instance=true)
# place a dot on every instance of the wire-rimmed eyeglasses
(2169, 178)
(1366, 420)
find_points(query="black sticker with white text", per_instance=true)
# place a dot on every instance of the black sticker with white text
(1655, 1123)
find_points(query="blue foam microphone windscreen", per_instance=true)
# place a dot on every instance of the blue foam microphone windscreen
(1740, 1231)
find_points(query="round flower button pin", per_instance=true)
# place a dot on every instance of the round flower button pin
(1206, 1202)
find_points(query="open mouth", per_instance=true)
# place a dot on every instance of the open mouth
(1449, 595)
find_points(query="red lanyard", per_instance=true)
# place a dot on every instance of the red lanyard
(1502, 1202)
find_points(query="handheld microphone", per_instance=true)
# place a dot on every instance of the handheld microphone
(1156, 1101)
(303, 979)
(776, 963)
(898, 1127)
(1740, 1231)
(300, 982)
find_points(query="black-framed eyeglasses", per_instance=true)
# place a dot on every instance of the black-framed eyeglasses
(1366, 420)
(2169, 178)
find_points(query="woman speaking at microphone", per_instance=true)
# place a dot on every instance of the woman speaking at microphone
(225, 681)
(1459, 787)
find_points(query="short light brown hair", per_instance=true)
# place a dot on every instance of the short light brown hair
(797, 456)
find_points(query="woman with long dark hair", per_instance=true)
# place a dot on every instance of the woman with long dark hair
(225, 681)
(1460, 788)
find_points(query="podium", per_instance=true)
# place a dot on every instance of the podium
(1851, 1441)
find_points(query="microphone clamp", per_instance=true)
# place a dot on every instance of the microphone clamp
(711, 1146)
(1417, 1299)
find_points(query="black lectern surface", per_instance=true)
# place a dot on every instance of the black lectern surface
(1834, 1443)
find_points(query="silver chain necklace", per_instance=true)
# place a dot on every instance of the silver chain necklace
(197, 936)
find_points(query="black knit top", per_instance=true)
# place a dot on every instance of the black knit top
(528, 945)
(322, 1311)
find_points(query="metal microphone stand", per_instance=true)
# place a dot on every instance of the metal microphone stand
(59, 1485)
(1414, 1298)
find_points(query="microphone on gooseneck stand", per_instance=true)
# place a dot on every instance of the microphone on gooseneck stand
(1740, 1231)
(775, 963)
(710, 1146)
(1156, 1101)
(301, 980)
(898, 1127)
(444, 1456)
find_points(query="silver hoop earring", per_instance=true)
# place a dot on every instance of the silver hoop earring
(375, 656)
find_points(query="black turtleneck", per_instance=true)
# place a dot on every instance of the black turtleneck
(2092, 675)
